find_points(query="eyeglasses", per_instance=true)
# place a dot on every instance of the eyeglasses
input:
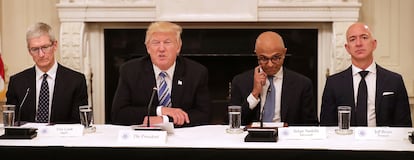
(273, 59)
(45, 49)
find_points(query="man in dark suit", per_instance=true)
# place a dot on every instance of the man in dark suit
(386, 103)
(66, 88)
(294, 102)
(182, 95)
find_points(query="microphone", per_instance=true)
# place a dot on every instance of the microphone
(19, 132)
(149, 105)
(262, 134)
(148, 126)
(269, 89)
(21, 105)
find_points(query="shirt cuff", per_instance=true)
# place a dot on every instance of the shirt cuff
(159, 112)
(165, 118)
(252, 101)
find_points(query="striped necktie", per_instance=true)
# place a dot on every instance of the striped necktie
(164, 92)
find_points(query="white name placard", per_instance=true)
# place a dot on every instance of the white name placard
(61, 130)
(142, 137)
(381, 133)
(302, 133)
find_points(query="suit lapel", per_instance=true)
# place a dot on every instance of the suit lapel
(379, 87)
(286, 87)
(348, 86)
(31, 98)
(60, 76)
(178, 82)
(148, 76)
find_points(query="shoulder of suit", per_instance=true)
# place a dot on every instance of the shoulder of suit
(249, 74)
(67, 70)
(386, 72)
(190, 64)
(341, 73)
(294, 74)
(27, 72)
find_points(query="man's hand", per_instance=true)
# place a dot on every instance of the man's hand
(179, 116)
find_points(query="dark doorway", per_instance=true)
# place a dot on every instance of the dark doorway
(225, 52)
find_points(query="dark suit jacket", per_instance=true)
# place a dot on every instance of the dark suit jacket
(137, 80)
(297, 104)
(390, 110)
(70, 92)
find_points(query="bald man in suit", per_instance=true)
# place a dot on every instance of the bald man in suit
(294, 102)
(387, 99)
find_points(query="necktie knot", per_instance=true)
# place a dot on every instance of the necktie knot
(363, 73)
(44, 76)
(163, 74)
(270, 79)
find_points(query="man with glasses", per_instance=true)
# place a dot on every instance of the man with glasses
(52, 92)
(270, 92)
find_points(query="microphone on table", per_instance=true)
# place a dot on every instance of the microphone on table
(21, 106)
(269, 89)
(19, 132)
(148, 126)
(262, 134)
(149, 105)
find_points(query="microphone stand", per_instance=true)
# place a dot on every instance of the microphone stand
(149, 105)
(262, 134)
(148, 126)
(19, 132)
(21, 105)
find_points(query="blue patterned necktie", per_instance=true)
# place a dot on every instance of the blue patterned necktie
(269, 106)
(163, 91)
(42, 115)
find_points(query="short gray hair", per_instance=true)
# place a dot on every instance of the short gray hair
(39, 29)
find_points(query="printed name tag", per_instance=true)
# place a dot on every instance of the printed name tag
(142, 137)
(381, 133)
(302, 133)
(61, 130)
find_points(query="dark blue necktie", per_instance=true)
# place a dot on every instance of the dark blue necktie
(163, 91)
(362, 100)
(269, 106)
(42, 115)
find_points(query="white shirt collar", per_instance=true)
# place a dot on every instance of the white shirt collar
(170, 71)
(279, 74)
(51, 73)
(371, 68)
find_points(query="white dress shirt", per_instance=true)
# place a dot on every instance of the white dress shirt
(370, 79)
(50, 81)
(168, 80)
(277, 81)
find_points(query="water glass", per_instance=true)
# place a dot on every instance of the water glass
(234, 119)
(8, 115)
(344, 120)
(86, 118)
